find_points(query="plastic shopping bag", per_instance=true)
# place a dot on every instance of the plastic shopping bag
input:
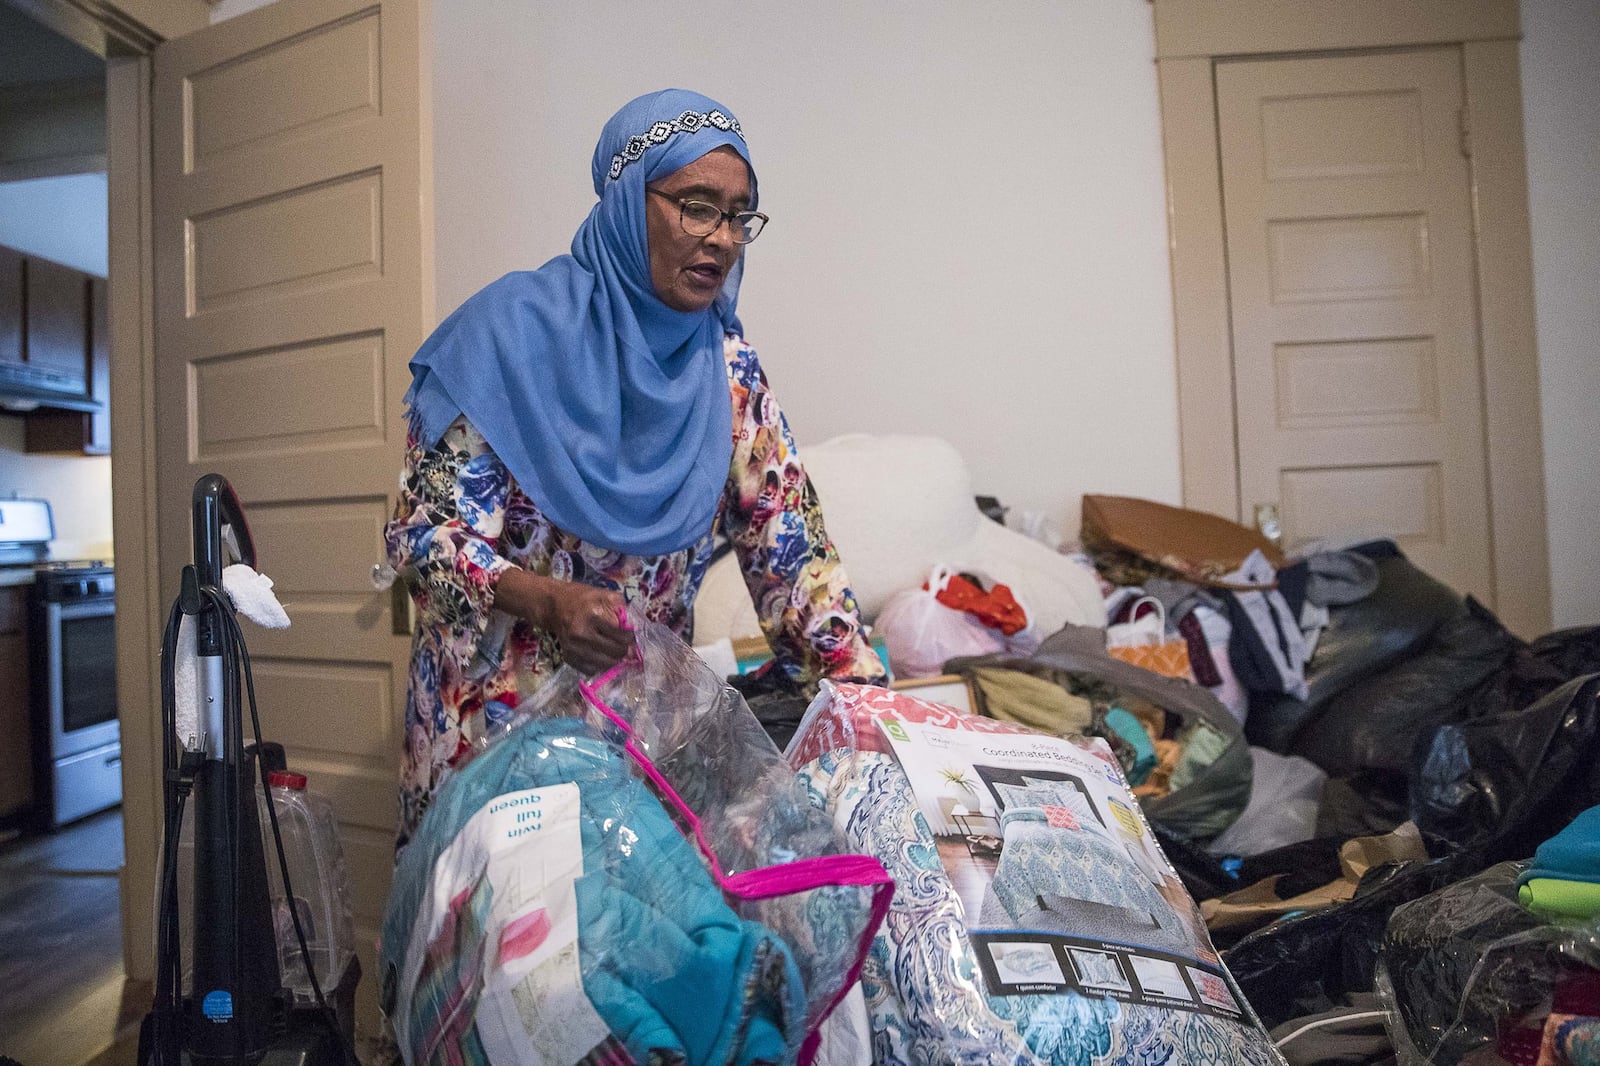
(922, 633)
(1143, 641)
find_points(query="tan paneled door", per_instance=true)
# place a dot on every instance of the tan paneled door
(290, 214)
(1356, 357)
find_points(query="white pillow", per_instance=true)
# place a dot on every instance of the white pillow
(895, 507)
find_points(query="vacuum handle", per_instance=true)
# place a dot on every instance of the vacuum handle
(221, 535)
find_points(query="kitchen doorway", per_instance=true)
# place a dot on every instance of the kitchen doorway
(60, 910)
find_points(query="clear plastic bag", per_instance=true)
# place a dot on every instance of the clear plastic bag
(1467, 964)
(1285, 795)
(953, 980)
(656, 877)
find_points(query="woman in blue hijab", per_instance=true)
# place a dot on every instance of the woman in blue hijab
(580, 433)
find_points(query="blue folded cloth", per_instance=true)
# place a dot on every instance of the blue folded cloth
(1572, 854)
(668, 966)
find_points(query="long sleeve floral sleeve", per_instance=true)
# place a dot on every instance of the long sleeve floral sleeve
(772, 517)
(447, 525)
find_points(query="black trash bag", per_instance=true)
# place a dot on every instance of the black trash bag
(1362, 639)
(1367, 803)
(1569, 652)
(1455, 963)
(1374, 724)
(1501, 784)
(777, 701)
(1299, 867)
(1202, 873)
(1309, 963)
(1535, 670)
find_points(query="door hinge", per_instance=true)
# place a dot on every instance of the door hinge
(1464, 124)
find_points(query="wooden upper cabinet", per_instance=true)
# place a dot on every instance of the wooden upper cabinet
(54, 319)
(77, 431)
(10, 305)
(57, 308)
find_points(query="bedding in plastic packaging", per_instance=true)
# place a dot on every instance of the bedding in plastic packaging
(1463, 966)
(629, 873)
(1034, 920)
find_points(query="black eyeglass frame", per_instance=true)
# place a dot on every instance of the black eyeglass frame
(729, 217)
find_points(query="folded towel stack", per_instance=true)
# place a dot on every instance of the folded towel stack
(1564, 880)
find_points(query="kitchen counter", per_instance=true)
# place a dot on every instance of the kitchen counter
(11, 576)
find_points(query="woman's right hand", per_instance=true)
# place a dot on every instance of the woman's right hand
(586, 620)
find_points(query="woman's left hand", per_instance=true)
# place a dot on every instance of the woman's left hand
(586, 620)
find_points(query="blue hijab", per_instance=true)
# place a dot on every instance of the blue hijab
(610, 408)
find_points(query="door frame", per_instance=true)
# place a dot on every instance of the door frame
(124, 33)
(1192, 37)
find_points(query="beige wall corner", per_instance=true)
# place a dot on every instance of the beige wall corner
(1510, 353)
(1199, 288)
(1561, 112)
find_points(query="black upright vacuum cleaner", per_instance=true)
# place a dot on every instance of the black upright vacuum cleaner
(237, 1011)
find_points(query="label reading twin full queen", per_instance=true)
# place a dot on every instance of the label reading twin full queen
(503, 903)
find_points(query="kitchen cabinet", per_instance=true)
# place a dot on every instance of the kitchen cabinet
(16, 723)
(77, 431)
(57, 312)
(10, 305)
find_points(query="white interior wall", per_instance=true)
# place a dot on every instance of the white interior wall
(77, 486)
(63, 219)
(969, 230)
(1561, 111)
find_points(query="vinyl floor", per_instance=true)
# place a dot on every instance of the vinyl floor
(63, 997)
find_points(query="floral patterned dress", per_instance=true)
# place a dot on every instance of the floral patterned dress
(462, 521)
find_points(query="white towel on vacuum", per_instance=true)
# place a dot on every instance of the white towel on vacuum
(252, 597)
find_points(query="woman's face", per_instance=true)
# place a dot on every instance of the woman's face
(688, 271)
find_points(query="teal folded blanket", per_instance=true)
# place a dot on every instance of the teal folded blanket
(1572, 854)
(670, 969)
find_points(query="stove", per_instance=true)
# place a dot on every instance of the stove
(76, 734)
(74, 580)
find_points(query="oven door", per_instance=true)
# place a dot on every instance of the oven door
(81, 660)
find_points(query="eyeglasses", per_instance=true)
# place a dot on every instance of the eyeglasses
(700, 219)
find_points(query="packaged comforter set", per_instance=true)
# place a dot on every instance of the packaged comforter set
(630, 874)
(1035, 920)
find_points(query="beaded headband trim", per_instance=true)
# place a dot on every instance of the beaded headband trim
(688, 122)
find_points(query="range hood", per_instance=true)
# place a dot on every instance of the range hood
(27, 388)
